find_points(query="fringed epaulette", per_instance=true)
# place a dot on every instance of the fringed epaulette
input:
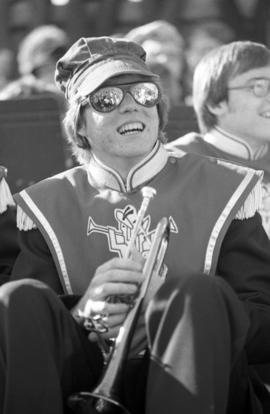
(6, 198)
(254, 200)
(24, 222)
(252, 203)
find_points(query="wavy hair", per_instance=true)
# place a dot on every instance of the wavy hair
(79, 144)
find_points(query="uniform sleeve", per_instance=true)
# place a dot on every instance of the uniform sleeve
(244, 262)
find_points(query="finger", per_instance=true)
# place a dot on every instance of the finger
(115, 321)
(120, 263)
(117, 308)
(117, 275)
(108, 289)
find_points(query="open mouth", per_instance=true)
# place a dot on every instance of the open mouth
(131, 128)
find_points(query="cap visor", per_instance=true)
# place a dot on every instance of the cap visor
(96, 75)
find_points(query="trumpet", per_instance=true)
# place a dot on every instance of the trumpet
(105, 398)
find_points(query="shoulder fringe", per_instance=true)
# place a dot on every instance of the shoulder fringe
(251, 204)
(24, 222)
(6, 198)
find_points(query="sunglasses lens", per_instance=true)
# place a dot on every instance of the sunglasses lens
(106, 99)
(146, 93)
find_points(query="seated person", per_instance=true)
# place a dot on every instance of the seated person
(39, 51)
(200, 333)
(231, 90)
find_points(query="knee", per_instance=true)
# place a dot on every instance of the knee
(198, 286)
(195, 294)
(24, 291)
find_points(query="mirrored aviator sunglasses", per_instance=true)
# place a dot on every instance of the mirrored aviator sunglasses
(108, 98)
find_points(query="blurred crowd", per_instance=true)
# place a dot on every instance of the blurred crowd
(176, 35)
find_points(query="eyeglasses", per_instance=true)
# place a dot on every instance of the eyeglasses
(260, 87)
(108, 98)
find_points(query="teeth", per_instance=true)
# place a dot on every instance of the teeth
(131, 128)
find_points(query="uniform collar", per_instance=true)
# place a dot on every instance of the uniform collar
(103, 176)
(234, 145)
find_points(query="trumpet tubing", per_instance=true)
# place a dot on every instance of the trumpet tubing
(105, 398)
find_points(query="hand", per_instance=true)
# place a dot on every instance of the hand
(115, 277)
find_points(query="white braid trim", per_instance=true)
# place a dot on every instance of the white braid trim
(251, 204)
(175, 152)
(6, 198)
(24, 222)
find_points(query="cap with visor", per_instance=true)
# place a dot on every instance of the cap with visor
(91, 61)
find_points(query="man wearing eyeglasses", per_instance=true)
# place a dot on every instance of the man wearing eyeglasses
(231, 97)
(206, 316)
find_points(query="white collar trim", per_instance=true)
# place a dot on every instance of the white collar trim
(234, 145)
(103, 176)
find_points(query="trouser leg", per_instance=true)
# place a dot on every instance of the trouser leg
(44, 355)
(197, 329)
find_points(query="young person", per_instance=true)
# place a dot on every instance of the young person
(200, 333)
(231, 97)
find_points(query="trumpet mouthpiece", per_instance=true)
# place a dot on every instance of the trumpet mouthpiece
(148, 192)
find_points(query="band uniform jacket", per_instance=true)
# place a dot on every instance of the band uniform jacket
(195, 143)
(73, 222)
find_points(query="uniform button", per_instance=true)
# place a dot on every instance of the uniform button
(172, 160)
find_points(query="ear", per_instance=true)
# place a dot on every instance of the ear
(81, 130)
(218, 109)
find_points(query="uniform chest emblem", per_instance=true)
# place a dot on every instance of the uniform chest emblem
(118, 236)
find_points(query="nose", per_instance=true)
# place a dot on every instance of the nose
(128, 103)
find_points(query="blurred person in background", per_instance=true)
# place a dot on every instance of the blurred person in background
(39, 51)
(200, 40)
(171, 86)
(164, 45)
(7, 67)
(165, 51)
(37, 56)
(231, 97)
(248, 19)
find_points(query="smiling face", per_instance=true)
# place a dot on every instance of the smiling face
(123, 137)
(244, 114)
